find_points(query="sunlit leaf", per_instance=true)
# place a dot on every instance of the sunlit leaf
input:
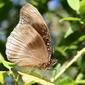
(2, 80)
(81, 38)
(30, 83)
(80, 82)
(2, 4)
(6, 63)
(82, 6)
(74, 4)
(72, 19)
(79, 76)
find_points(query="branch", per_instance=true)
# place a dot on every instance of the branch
(79, 54)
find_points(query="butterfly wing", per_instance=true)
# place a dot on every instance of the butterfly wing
(26, 47)
(31, 15)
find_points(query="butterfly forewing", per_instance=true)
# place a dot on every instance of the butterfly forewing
(31, 15)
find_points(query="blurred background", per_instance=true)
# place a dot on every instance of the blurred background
(68, 36)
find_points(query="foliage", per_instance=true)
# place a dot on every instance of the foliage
(67, 25)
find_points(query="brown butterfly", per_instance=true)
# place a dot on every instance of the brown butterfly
(29, 44)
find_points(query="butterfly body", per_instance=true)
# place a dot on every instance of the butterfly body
(29, 44)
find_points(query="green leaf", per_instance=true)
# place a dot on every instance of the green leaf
(80, 82)
(6, 63)
(82, 38)
(2, 74)
(74, 27)
(74, 4)
(82, 6)
(71, 47)
(64, 81)
(61, 50)
(79, 76)
(2, 4)
(69, 32)
(30, 83)
(72, 19)
(56, 70)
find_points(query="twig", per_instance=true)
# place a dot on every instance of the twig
(81, 52)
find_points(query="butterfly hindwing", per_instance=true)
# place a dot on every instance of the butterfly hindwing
(27, 48)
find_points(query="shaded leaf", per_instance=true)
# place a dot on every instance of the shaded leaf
(56, 70)
(73, 27)
(61, 50)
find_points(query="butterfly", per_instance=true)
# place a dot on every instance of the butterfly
(29, 44)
